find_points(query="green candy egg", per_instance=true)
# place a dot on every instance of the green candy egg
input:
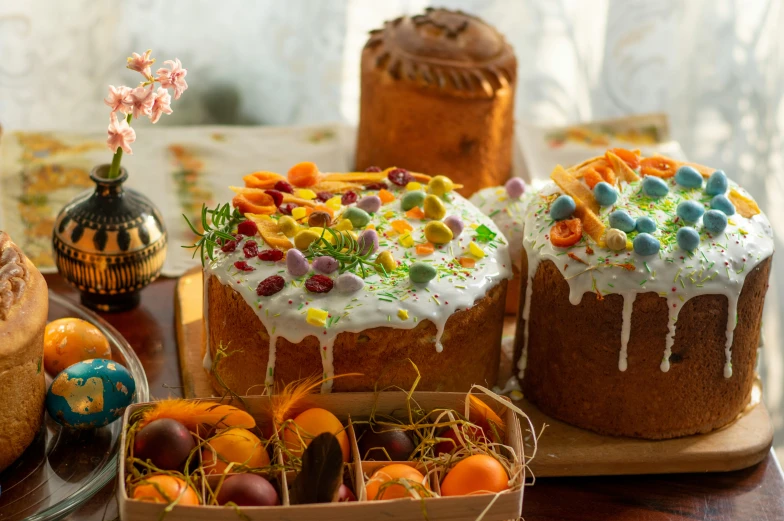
(421, 272)
(358, 217)
(412, 199)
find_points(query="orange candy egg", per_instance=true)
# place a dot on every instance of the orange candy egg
(239, 446)
(162, 488)
(394, 472)
(68, 341)
(476, 474)
(310, 424)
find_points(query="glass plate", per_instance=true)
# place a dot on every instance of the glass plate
(62, 469)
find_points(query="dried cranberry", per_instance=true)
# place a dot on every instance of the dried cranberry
(248, 228)
(373, 169)
(238, 237)
(324, 196)
(276, 196)
(319, 284)
(243, 266)
(375, 186)
(270, 286)
(283, 186)
(270, 255)
(251, 249)
(229, 246)
(400, 176)
(286, 208)
(348, 198)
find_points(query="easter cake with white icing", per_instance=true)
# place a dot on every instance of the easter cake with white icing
(645, 284)
(330, 274)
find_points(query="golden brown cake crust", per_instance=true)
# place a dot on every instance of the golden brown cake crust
(572, 363)
(471, 351)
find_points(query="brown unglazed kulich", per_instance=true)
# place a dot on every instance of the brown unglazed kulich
(437, 96)
(572, 365)
(471, 354)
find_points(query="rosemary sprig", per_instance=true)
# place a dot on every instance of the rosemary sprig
(217, 224)
(346, 250)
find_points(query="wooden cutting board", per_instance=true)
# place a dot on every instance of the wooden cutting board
(563, 450)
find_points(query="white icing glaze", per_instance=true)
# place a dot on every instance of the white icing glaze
(508, 214)
(628, 306)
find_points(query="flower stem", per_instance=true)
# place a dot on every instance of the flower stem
(114, 169)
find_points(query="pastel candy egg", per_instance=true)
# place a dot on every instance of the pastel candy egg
(422, 272)
(646, 244)
(296, 263)
(615, 239)
(605, 194)
(645, 224)
(723, 204)
(621, 220)
(90, 394)
(688, 238)
(690, 211)
(454, 223)
(438, 232)
(71, 340)
(434, 207)
(687, 176)
(369, 203)
(348, 283)
(288, 226)
(717, 183)
(368, 242)
(304, 238)
(440, 185)
(325, 264)
(652, 186)
(515, 188)
(714, 221)
(387, 261)
(412, 199)
(562, 208)
(359, 218)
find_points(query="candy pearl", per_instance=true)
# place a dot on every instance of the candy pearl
(359, 218)
(722, 203)
(422, 272)
(562, 208)
(515, 188)
(287, 226)
(437, 232)
(645, 225)
(434, 208)
(714, 221)
(652, 186)
(440, 185)
(348, 283)
(387, 261)
(646, 244)
(296, 263)
(688, 238)
(687, 176)
(325, 264)
(690, 211)
(412, 199)
(370, 203)
(717, 183)
(615, 239)
(605, 194)
(622, 221)
(454, 223)
(368, 242)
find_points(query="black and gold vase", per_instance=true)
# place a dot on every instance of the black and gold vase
(109, 243)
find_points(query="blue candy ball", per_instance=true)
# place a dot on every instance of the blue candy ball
(689, 177)
(688, 238)
(645, 225)
(622, 221)
(714, 221)
(562, 208)
(720, 202)
(717, 183)
(605, 194)
(654, 187)
(690, 211)
(646, 244)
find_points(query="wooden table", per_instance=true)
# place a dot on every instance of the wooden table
(755, 494)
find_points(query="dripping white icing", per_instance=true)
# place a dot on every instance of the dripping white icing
(207, 360)
(533, 265)
(626, 327)
(732, 321)
(673, 308)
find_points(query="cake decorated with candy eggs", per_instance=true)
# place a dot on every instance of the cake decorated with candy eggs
(644, 282)
(387, 275)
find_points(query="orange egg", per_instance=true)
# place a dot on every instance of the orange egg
(475, 474)
(310, 424)
(68, 341)
(395, 471)
(239, 446)
(171, 487)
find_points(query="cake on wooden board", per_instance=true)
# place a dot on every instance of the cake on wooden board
(24, 303)
(354, 273)
(643, 298)
(437, 96)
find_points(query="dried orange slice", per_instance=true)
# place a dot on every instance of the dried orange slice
(254, 200)
(265, 180)
(658, 166)
(628, 157)
(566, 233)
(304, 174)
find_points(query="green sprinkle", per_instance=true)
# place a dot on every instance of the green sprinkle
(643, 282)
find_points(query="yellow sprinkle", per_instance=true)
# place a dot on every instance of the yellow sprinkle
(333, 203)
(406, 240)
(402, 314)
(413, 185)
(370, 226)
(344, 225)
(390, 214)
(474, 226)
(317, 317)
(305, 193)
(299, 212)
(629, 245)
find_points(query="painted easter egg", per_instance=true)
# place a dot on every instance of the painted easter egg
(90, 394)
(71, 340)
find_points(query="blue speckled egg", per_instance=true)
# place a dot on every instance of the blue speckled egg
(645, 244)
(714, 221)
(688, 177)
(722, 203)
(89, 394)
(645, 224)
(652, 186)
(562, 208)
(605, 194)
(717, 183)
(690, 211)
(688, 238)
(622, 221)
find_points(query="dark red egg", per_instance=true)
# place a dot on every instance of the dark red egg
(397, 443)
(452, 442)
(248, 490)
(345, 494)
(165, 442)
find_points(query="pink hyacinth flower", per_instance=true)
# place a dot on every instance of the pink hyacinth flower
(141, 63)
(161, 104)
(121, 135)
(174, 78)
(119, 99)
(142, 101)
